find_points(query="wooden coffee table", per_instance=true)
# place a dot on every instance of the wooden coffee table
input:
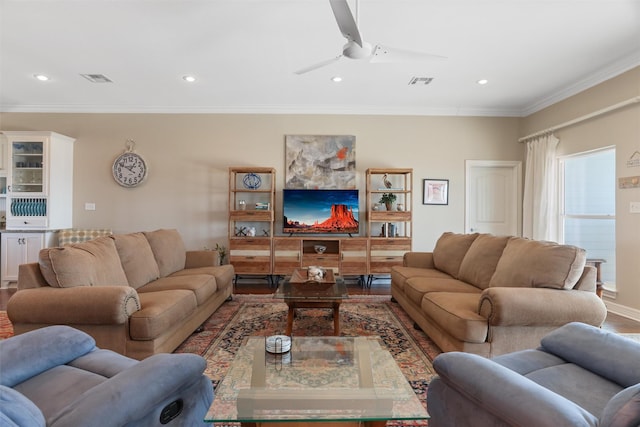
(300, 293)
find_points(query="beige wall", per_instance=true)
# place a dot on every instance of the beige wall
(189, 156)
(621, 129)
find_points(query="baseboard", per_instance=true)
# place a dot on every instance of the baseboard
(622, 310)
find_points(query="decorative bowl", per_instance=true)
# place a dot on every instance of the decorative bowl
(319, 249)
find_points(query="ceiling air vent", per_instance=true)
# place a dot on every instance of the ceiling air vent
(97, 78)
(420, 81)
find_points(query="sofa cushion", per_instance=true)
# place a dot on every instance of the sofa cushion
(400, 274)
(63, 344)
(137, 259)
(480, 261)
(224, 274)
(538, 264)
(168, 249)
(202, 285)
(457, 313)
(450, 250)
(575, 341)
(160, 311)
(92, 263)
(416, 287)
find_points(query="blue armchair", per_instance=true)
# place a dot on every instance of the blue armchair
(579, 376)
(56, 376)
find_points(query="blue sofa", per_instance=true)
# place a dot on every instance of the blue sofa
(579, 376)
(56, 376)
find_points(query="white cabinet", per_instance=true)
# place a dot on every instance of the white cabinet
(39, 180)
(3, 180)
(20, 248)
(3, 154)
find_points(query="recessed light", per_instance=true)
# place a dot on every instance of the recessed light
(336, 79)
(41, 77)
(189, 79)
(482, 81)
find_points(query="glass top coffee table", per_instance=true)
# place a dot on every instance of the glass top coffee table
(311, 294)
(351, 380)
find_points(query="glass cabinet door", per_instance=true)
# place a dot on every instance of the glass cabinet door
(26, 167)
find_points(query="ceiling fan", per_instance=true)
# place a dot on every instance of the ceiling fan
(356, 48)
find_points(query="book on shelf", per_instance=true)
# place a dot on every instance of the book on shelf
(263, 206)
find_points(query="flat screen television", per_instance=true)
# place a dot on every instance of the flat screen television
(320, 211)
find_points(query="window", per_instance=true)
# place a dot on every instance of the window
(588, 206)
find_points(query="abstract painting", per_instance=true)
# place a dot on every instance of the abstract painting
(320, 161)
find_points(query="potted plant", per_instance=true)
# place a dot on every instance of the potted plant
(388, 199)
(222, 253)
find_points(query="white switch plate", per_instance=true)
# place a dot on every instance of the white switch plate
(89, 206)
(634, 207)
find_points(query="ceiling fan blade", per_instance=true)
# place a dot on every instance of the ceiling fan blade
(346, 23)
(318, 65)
(391, 54)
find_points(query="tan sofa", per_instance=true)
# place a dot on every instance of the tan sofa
(137, 294)
(491, 295)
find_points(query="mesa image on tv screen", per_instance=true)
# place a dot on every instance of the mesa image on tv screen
(320, 211)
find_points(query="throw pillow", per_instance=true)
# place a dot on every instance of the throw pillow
(450, 250)
(137, 259)
(537, 264)
(92, 263)
(168, 249)
(480, 261)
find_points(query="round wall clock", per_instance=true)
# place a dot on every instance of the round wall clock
(129, 168)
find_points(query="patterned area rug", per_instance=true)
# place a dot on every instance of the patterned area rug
(249, 315)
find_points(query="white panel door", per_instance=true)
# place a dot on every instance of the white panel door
(493, 197)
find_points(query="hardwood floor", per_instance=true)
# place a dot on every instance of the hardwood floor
(614, 322)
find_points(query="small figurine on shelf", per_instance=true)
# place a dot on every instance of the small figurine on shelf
(222, 253)
(386, 181)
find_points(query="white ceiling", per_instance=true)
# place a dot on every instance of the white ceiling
(244, 54)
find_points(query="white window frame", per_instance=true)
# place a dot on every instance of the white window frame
(561, 209)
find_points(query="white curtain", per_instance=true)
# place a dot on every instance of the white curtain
(539, 213)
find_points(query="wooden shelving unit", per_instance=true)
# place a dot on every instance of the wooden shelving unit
(389, 231)
(252, 198)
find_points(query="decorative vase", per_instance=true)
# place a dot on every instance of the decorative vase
(389, 206)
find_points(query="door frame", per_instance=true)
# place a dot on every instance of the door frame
(516, 167)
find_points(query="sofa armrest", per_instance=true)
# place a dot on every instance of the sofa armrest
(197, 259)
(418, 260)
(16, 410)
(29, 276)
(82, 305)
(506, 394)
(127, 396)
(504, 306)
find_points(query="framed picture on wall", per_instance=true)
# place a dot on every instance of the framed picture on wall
(435, 191)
